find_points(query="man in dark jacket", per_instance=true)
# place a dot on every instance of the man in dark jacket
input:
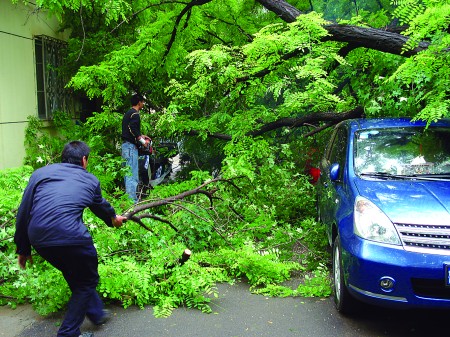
(50, 219)
(132, 137)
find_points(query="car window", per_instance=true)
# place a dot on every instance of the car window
(329, 146)
(338, 149)
(402, 151)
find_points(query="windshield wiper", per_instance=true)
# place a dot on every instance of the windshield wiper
(427, 176)
(384, 175)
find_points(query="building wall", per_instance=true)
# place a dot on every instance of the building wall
(18, 99)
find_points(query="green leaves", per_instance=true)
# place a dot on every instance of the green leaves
(257, 267)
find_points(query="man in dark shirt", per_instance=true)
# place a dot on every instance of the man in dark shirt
(50, 219)
(131, 137)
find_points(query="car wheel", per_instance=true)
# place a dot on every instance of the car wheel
(343, 301)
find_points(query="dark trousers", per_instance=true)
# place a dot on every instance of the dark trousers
(79, 266)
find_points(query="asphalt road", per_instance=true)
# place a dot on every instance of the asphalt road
(238, 313)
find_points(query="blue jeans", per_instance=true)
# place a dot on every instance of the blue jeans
(79, 266)
(130, 154)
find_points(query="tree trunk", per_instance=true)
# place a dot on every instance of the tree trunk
(378, 39)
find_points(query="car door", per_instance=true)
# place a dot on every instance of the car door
(331, 183)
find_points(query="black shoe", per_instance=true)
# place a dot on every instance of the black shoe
(87, 334)
(105, 318)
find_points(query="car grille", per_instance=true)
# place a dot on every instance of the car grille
(430, 288)
(425, 238)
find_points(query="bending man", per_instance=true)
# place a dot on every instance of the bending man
(50, 219)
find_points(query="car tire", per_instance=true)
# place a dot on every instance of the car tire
(343, 300)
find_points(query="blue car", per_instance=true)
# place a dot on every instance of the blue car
(384, 194)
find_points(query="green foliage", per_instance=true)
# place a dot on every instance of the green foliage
(40, 146)
(44, 140)
(229, 68)
(315, 285)
(344, 10)
(12, 183)
(248, 264)
(425, 75)
(41, 285)
(258, 267)
(407, 10)
(131, 282)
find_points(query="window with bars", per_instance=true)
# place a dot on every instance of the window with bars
(51, 94)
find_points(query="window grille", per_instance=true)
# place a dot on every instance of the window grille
(51, 94)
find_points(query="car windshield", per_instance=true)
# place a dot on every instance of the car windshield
(407, 151)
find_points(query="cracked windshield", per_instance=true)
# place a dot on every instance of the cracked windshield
(403, 151)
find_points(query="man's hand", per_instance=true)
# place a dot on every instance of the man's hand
(144, 140)
(22, 260)
(118, 220)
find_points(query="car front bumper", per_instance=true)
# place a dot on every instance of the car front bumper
(390, 276)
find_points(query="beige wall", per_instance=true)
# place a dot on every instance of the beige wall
(18, 25)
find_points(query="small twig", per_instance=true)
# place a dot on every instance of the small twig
(8, 297)
(6, 257)
(138, 221)
(189, 211)
(119, 251)
(84, 32)
(136, 13)
(13, 211)
(7, 238)
(214, 227)
(155, 217)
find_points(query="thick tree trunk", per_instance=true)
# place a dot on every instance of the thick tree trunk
(377, 39)
(285, 11)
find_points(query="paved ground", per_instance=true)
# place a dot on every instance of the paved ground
(13, 322)
(238, 313)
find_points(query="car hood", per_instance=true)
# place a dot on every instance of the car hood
(409, 201)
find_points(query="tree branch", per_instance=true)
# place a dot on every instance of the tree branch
(378, 39)
(134, 216)
(185, 10)
(308, 119)
(331, 117)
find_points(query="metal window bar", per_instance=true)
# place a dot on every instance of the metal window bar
(51, 92)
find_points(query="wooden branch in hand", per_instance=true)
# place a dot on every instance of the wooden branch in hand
(169, 200)
(134, 216)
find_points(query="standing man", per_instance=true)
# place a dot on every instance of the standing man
(131, 137)
(50, 219)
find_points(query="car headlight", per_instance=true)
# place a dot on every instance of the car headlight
(372, 224)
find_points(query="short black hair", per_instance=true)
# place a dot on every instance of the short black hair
(74, 152)
(136, 98)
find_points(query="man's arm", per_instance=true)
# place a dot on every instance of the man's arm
(21, 239)
(135, 126)
(103, 209)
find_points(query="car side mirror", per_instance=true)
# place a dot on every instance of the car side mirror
(334, 172)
